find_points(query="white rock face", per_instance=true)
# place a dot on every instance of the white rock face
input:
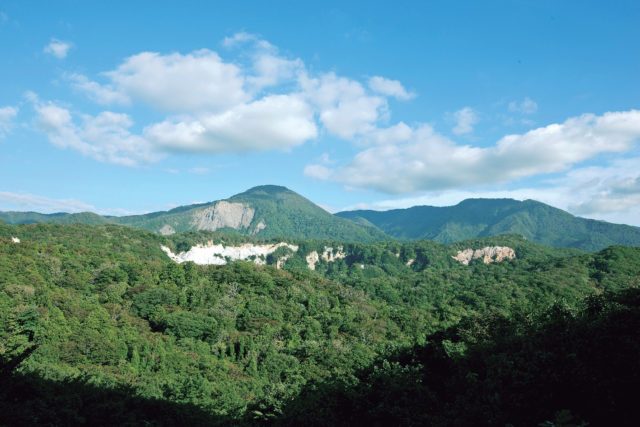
(218, 254)
(312, 260)
(259, 227)
(15, 240)
(166, 230)
(488, 254)
(223, 214)
(329, 255)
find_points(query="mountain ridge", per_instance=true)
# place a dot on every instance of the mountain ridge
(269, 211)
(478, 217)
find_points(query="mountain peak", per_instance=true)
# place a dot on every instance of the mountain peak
(267, 189)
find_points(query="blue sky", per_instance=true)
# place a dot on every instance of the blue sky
(130, 107)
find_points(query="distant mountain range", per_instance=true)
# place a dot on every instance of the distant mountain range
(274, 211)
(472, 218)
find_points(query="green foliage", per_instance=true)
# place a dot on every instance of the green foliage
(473, 218)
(103, 310)
(554, 366)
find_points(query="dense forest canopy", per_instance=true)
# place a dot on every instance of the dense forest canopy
(89, 313)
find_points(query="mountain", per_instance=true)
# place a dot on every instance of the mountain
(471, 218)
(265, 211)
(273, 211)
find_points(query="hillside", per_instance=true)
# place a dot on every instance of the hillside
(471, 218)
(264, 211)
(102, 323)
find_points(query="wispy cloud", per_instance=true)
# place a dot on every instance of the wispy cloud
(58, 48)
(465, 119)
(526, 106)
(42, 204)
(7, 114)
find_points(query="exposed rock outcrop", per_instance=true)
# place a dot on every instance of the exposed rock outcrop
(312, 260)
(166, 230)
(223, 214)
(219, 254)
(488, 254)
(329, 255)
(259, 227)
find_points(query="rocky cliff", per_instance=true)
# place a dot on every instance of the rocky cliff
(488, 254)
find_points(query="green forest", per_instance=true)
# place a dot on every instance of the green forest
(98, 326)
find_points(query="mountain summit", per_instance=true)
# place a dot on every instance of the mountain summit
(265, 211)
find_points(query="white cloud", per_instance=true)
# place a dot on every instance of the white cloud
(430, 161)
(317, 172)
(7, 114)
(198, 81)
(345, 107)
(105, 137)
(273, 122)
(610, 193)
(241, 38)
(42, 204)
(102, 94)
(57, 48)
(198, 170)
(527, 106)
(389, 88)
(465, 119)
(32, 202)
(391, 135)
(271, 70)
(261, 101)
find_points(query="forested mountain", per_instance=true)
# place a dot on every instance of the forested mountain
(471, 218)
(266, 211)
(98, 325)
(273, 211)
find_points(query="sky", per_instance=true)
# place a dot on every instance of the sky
(132, 107)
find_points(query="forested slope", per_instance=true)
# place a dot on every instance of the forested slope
(473, 218)
(101, 311)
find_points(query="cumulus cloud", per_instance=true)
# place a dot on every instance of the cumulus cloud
(105, 137)
(197, 81)
(7, 114)
(390, 88)
(273, 122)
(57, 48)
(263, 100)
(427, 160)
(465, 118)
(345, 109)
(608, 192)
(527, 106)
